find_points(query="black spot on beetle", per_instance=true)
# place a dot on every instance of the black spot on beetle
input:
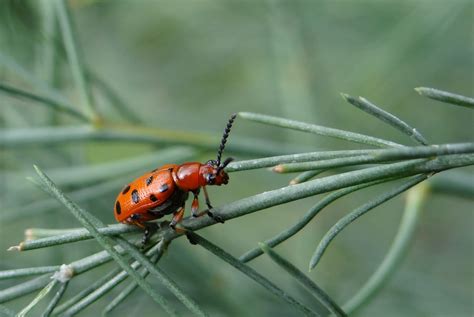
(118, 209)
(135, 216)
(153, 197)
(163, 188)
(154, 170)
(125, 190)
(135, 197)
(149, 180)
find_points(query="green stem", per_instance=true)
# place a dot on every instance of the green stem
(325, 184)
(27, 271)
(301, 157)
(379, 156)
(24, 288)
(76, 235)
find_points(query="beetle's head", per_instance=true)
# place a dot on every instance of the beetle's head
(213, 173)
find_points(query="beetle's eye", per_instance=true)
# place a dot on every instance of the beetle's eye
(210, 179)
(211, 163)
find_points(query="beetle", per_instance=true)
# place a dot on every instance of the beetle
(164, 191)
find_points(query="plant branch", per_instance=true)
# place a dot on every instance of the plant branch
(291, 158)
(74, 236)
(24, 288)
(314, 187)
(27, 271)
(379, 156)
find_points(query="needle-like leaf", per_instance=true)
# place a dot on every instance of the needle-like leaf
(316, 129)
(71, 45)
(446, 97)
(45, 101)
(386, 117)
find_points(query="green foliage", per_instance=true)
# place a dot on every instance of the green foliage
(93, 118)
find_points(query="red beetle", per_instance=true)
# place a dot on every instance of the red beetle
(165, 190)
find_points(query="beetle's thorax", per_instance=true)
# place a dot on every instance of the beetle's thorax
(186, 176)
(194, 175)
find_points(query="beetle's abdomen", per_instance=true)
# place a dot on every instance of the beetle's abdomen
(144, 193)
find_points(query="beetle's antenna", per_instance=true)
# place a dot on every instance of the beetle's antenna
(224, 164)
(224, 138)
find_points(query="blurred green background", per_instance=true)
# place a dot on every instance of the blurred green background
(187, 65)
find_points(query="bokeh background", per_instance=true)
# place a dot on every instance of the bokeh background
(186, 66)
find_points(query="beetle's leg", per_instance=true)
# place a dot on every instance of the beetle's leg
(134, 219)
(150, 229)
(191, 238)
(208, 203)
(206, 196)
(195, 206)
(177, 217)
